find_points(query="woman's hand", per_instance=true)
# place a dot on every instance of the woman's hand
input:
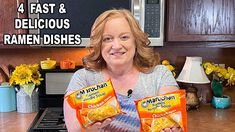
(174, 129)
(99, 125)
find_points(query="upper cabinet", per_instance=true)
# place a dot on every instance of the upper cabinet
(201, 20)
(8, 12)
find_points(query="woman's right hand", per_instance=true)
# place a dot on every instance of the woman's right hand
(99, 125)
(174, 129)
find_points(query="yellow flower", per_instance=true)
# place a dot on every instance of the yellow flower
(21, 75)
(209, 68)
(25, 74)
(231, 76)
(35, 74)
(222, 73)
(165, 62)
(169, 66)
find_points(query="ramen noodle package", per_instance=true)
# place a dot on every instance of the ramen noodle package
(165, 111)
(94, 103)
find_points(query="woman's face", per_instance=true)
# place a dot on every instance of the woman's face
(118, 43)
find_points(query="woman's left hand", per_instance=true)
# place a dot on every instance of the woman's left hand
(174, 129)
(99, 125)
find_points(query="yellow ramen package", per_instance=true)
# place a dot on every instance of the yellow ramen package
(165, 111)
(94, 103)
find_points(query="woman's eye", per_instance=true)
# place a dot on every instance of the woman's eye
(107, 39)
(125, 37)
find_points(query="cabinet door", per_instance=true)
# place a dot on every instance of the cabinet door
(8, 12)
(201, 20)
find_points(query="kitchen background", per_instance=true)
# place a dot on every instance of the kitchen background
(212, 38)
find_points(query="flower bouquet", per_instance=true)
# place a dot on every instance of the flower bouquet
(221, 77)
(27, 76)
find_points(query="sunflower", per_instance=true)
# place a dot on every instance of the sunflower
(35, 74)
(21, 75)
(25, 74)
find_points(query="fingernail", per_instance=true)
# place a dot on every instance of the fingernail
(108, 119)
(98, 123)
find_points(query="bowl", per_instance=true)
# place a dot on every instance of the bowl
(221, 102)
(67, 64)
(48, 64)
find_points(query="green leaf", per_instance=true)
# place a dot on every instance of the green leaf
(28, 88)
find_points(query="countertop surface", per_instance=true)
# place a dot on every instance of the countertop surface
(209, 119)
(206, 119)
(16, 122)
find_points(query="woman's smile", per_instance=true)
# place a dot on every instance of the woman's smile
(117, 54)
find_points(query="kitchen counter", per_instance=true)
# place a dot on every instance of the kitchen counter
(209, 119)
(16, 122)
(206, 119)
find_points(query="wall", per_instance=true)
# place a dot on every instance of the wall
(175, 54)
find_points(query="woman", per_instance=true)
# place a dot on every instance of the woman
(120, 51)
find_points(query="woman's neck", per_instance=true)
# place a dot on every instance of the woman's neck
(116, 72)
(123, 79)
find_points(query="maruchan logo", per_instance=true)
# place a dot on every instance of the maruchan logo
(160, 99)
(94, 88)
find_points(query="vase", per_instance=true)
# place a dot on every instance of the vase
(26, 103)
(7, 99)
(217, 88)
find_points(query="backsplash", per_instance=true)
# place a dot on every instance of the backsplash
(29, 56)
